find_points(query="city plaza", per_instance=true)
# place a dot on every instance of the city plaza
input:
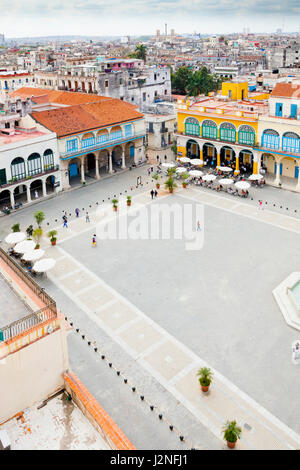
(160, 312)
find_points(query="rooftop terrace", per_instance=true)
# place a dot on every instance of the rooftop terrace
(12, 307)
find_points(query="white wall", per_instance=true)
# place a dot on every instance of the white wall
(32, 373)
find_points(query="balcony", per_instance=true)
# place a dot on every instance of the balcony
(115, 139)
(17, 181)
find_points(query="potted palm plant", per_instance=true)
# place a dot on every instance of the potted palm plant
(128, 200)
(184, 177)
(170, 184)
(39, 217)
(156, 178)
(37, 235)
(29, 231)
(205, 378)
(115, 204)
(52, 235)
(231, 432)
(171, 171)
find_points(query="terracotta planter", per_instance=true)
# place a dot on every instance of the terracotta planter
(128, 203)
(37, 247)
(171, 190)
(204, 388)
(184, 185)
(231, 445)
(53, 242)
(115, 208)
(157, 185)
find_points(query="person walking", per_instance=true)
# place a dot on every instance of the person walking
(152, 193)
(155, 193)
(77, 212)
(65, 222)
(260, 205)
(87, 217)
(198, 227)
(36, 194)
(94, 240)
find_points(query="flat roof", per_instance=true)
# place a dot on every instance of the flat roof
(19, 137)
(12, 306)
(60, 425)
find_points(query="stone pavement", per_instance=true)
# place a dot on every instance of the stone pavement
(170, 362)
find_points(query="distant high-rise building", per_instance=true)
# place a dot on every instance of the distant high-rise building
(2, 39)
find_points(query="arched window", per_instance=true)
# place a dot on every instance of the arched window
(116, 133)
(291, 142)
(88, 140)
(48, 159)
(17, 168)
(246, 135)
(209, 129)
(192, 126)
(102, 136)
(227, 132)
(34, 164)
(270, 139)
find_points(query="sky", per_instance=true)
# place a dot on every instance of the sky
(21, 18)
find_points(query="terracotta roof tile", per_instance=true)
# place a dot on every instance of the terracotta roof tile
(79, 118)
(287, 90)
(58, 97)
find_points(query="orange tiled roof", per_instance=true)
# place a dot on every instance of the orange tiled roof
(58, 97)
(286, 90)
(74, 119)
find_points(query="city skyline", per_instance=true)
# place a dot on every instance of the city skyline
(95, 17)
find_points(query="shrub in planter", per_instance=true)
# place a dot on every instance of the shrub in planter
(184, 177)
(156, 178)
(128, 200)
(170, 184)
(231, 432)
(115, 204)
(52, 235)
(205, 378)
(39, 217)
(29, 231)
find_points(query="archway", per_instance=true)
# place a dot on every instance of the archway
(20, 194)
(74, 171)
(268, 162)
(115, 133)
(129, 154)
(227, 156)
(34, 164)
(36, 189)
(88, 140)
(102, 136)
(48, 160)
(290, 168)
(18, 169)
(4, 199)
(227, 132)
(209, 155)
(91, 164)
(192, 149)
(117, 156)
(103, 162)
(50, 181)
(246, 162)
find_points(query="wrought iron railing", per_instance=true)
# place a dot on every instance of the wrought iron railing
(46, 313)
(24, 324)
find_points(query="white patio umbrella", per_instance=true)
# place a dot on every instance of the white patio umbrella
(44, 265)
(168, 165)
(33, 255)
(242, 185)
(196, 173)
(26, 245)
(226, 181)
(180, 170)
(209, 177)
(196, 161)
(255, 177)
(15, 237)
(226, 169)
(184, 160)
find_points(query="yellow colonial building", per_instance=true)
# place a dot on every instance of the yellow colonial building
(221, 129)
(237, 128)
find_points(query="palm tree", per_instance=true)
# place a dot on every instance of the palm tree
(39, 217)
(141, 52)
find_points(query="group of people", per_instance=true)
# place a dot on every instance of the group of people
(153, 193)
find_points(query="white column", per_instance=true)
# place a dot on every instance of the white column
(82, 171)
(44, 188)
(97, 167)
(28, 194)
(277, 179)
(123, 158)
(110, 167)
(12, 199)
